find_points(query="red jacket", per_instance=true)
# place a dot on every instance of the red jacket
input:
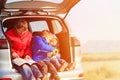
(21, 44)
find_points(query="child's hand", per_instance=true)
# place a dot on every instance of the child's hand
(55, 51)
(49, 54)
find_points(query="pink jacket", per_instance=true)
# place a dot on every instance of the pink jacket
(21, 44)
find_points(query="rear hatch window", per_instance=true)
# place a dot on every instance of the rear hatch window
(53, 1)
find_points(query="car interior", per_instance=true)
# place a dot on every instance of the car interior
(61, 35)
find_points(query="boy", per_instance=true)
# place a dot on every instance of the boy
(40, 49)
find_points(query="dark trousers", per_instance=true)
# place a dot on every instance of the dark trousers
(43, 67)
(51, 68)
(46, 66)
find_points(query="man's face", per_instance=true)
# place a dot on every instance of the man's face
(20, 30)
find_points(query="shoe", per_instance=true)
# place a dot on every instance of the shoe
(71, 66)
(62, 68)
(38, 78)
(66, 69)
(45, 77)
(56, 77)
(81, 75)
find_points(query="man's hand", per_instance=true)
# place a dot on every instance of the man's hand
(27, 57)
(15, 55)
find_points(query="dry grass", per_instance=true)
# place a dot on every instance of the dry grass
(101, 67)
(101, 56)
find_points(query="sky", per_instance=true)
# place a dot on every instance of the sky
(95, 20)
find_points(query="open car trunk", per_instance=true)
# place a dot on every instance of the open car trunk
(57, 9)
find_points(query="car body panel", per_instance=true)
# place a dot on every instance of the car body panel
(68, 52)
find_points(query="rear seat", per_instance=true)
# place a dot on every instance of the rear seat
(36, 33)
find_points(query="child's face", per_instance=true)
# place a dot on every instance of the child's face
(48, 36)
(53, 42)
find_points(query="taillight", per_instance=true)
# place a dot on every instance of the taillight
(75, 41)
(81, 75)
(5, 79)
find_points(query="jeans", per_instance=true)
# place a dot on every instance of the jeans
(29, 72)
(36, 71)
(57, 62)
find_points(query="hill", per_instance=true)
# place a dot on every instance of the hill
(101, 46)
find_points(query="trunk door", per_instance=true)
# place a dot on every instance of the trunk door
(58, 8)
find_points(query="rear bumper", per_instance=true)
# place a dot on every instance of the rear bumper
(71, 75)
(73, 78)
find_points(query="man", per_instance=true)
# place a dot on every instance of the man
(20, 39)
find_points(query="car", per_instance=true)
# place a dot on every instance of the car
(40, 15)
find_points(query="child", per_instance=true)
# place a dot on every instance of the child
(59, 63)
(40, 49)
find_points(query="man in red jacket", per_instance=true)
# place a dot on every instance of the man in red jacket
(20, 38)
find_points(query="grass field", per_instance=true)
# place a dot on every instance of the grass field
(105, 66)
